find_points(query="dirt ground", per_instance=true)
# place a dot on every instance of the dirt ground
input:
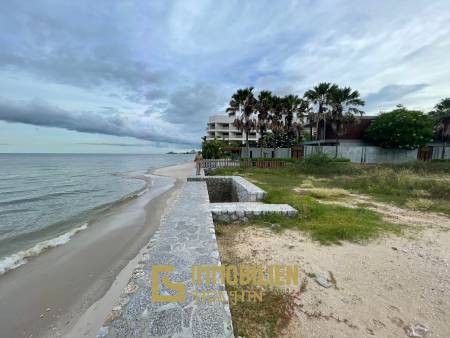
(390, 287)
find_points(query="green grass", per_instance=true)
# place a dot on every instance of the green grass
(421, 186)
(328, 224)
(397, 184)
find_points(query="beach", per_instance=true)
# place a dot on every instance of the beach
(68, 290)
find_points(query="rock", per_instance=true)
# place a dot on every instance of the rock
(405, 251)
(275, 226)
(47, 309)
(41, 316)
(321, 280)
(416, 331)
(291, 246)
(394, 248)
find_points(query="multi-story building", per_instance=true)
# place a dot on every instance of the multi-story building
(221, 127)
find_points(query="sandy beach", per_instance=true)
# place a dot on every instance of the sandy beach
(68, 289)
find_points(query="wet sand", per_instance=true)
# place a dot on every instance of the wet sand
(48, 296)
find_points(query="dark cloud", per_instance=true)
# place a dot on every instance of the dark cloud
(192, 104)
(392, 94)
(40, 113)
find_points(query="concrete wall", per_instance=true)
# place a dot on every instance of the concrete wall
(358, 153)
(267, 152)
(437, 151)
(230, 189)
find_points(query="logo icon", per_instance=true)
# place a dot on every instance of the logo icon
(179, 287)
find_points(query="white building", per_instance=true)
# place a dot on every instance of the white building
(221, 127)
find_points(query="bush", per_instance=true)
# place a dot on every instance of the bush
(419, 204)
(401, 129)
(212, 149)
(318, 159)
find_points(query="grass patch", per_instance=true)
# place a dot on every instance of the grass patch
(266, 318)
(324, 193)
(328, 224)
(396, 184)
(419, 204)
(254, 318)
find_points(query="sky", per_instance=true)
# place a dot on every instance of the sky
(143, 76)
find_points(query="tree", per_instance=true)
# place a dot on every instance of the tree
(319, 96)
(243, 102)
(263, 107)
(441, 116)
(344, 103)
(302, 110)
(401, 128)
(212, 149)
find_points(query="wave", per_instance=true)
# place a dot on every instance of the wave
(20, 258)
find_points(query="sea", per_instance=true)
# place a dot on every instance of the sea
(45, 199)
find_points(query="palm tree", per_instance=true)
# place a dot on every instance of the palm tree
(303, 109)
(263, 107)
(291, 105)
(344, 103)
(276, 116)
(319, 96)
(243, 102)
(441, 114)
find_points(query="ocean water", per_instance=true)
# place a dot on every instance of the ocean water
(45, 199)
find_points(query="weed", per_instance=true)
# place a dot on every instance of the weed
(419, 204)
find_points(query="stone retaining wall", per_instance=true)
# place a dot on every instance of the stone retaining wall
(242, 212)
(230, 189)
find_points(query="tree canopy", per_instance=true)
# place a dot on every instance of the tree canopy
(401, 128)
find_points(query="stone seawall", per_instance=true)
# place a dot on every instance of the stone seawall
(230, 189)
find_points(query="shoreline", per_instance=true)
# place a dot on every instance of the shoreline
(49, 295)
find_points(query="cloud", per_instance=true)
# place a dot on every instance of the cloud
(392, 94)
(40, 113)
(175, 63)
(115, 144)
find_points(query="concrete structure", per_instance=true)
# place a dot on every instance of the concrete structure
(186, 238)
(230, 189)
(359, 152)
(437, 151)
(242, 212)
(234, 199)
(221, 127)
(255, 152)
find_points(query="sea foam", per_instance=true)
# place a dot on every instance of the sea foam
(20, 258)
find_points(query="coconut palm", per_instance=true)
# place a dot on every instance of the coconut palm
(441, 114)
(291, 105)
(243, 103)
(302, 109)
(319, 96)
(263, 107)
(344, 103)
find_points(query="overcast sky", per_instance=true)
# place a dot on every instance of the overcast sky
(143, 76)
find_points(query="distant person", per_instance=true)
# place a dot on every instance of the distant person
(198, 162)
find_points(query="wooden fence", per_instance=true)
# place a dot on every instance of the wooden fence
(227, 163)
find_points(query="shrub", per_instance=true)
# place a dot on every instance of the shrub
(419, 204)
(212, 149)
(328, 193)
(401, 128)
